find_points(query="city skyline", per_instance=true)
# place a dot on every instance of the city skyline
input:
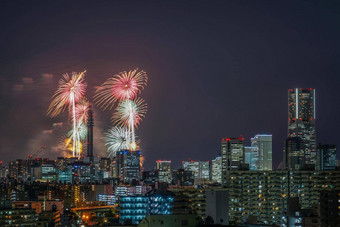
(233, 87)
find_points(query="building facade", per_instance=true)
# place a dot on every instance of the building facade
(216, 169)
(128, 165)
(251, 157)
(326, 157)
(163, 167)
(200, 169)
(264, 144)
(232, 156)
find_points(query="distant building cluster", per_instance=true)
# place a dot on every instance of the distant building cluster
(238, 187)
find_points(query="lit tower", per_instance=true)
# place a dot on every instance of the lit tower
(301, 120)
(232, 156)
(90, 125)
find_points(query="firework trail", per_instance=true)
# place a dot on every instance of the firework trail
(117, 139)
(130, 113)
(70, 90)
(81, 114)
(81, 111)
(124, 87)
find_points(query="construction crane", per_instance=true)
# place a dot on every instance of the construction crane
(33, 156)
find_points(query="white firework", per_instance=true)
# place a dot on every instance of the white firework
(117, 139)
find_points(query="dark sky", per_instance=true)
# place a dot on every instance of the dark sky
(216, 69)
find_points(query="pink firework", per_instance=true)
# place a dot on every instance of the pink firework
(70, 90)
(122, 86)
(81, 110)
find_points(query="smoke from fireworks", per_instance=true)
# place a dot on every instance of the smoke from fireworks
(117, 139)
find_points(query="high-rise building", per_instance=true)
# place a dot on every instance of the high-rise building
(293, 154)
(18, 170)
(201, 169)
(326, 157)
(264, 145)
(128, 165)
(163, 168)
(232, 156)
(216, 169)
(48, 171)
(301, 120)
(251, 157)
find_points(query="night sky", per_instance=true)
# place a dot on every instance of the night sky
(216, 69)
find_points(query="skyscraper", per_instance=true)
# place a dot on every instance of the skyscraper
(293, 154)
(301, 120)
(216, 169)
(128, 165)
(264, 145)
(232, 156)
(251, 157)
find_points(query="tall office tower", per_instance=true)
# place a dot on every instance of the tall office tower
(251, 157)
(301, 120)
(293, 154)
(232, 156)
(264, 144)
(90, 125)
(128, 165)
(326, 157)
(216, 169)
(163, 168)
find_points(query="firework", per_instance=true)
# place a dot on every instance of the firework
(117, 139)
(122, 86)
(81, 111)
(81, 132)
(130, 112)
(70, 90)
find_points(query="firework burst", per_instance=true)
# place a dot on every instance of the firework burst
(117, 139)
(81, 132)
(130, 112)
(81, 111)
(122, 86)
(70, 90)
